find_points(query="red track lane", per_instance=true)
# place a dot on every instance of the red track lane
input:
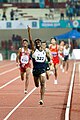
(75, 106)
(5, 62)
(13, 93)
(8, 66)
(54, 102)
(8, 76)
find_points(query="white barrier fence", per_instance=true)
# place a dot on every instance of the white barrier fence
(13, 57)
(1, 57)
(76, 54)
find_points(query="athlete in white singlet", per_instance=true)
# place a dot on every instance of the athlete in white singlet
(60, 53)
(66, 52)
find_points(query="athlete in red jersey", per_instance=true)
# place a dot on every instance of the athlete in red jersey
(55, 58)
(23, 60)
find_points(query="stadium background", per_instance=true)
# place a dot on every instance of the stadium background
(47, 15)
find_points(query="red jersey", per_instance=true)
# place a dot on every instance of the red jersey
(25, 58)
(54, 52)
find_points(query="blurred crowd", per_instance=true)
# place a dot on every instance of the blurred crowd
(12, 44)
(73, 9)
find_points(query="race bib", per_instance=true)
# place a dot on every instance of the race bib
(54, 54)
(40, 58)
(24, 59)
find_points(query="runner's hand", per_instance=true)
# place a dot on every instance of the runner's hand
(28, 29)
(17, 64)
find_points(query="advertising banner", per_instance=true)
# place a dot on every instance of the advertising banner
(37, 24)
(34, 24)
(59, 24)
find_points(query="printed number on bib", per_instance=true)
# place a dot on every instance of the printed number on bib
(54, 54)
(40, 59)
(24, 59)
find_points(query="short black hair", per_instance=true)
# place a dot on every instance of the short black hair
(53, 38)
(24, 39)
(62, 41)
(37, 40)
(43, 41)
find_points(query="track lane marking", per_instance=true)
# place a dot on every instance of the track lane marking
(67, 113)
(8, 71)
(16, 107)
(6, 65)
(9, 82)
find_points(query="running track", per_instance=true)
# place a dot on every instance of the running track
(61, 102)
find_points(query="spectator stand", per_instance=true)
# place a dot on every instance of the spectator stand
(61, 14)
(12, 14)
(4, 16)
(10, 46)
(50, 15)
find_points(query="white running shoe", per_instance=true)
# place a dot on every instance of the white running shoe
(61, 67)
(55, 82)
(63, 70)
(25, 91)
(41, 102)
(51, 73)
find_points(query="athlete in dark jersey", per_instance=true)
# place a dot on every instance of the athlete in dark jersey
(48, 59)
(39, 69)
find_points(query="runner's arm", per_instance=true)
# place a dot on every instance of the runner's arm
(18, 55)
(48, 55)
(30, 39)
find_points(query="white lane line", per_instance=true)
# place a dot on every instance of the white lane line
(9, 82)
(6, 65)
(67, 113)
(8, 71)
(16, 107)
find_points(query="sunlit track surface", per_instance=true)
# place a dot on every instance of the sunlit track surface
(8, 71)
(15, 105)
(5, 62)
(6, 65)
(75, 105)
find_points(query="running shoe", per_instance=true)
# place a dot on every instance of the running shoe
(63, 70)
(61, 67)
(51, 73)
(25, 91)
(41, 102)
(55, 82)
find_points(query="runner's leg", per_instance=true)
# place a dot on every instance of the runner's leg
(42, 83)
(27, 79)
